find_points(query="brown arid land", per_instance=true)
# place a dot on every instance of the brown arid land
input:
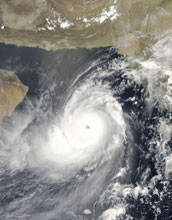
(12, 92)
(129, 25)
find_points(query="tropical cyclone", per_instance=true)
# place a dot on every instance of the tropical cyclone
(12, 92)
(50, 24)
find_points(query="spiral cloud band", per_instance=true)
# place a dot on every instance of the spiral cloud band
(88, 132)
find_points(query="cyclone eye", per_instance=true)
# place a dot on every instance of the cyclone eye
(87, 127)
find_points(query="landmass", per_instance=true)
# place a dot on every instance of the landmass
(128, 25)
(12, 92)
(140, 29)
